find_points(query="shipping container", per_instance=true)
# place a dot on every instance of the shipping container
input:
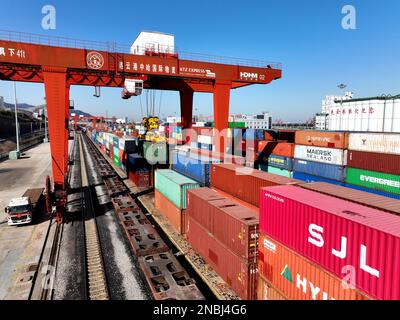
(287, 135)
(277, 171)
(375, 142)
(324, 170)
(174, 186)
(244, 183)
(266, 291)
(240, 274)
(297, 277)
(323, 155)
(381, 162)
(357, 196)
(373, 191)
(283, 149)
(115, 155)
(374, 180)
(310, 178)
(193, 166)
(155, 152)
(234, 225)
(277, 161)
(176, 216)
(237, 200)
(327, 139)
(336, 234)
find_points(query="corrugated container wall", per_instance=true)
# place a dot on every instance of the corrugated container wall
(325, 139)
(373, 191)
(244, 183)
(175, 216)
(335, 234)
(280, 172)
(232, 224)
(375, 142)
(310, 178)
(173, 186)
(323, 155)
(267, 292)
(283, 149)
(299, 278)
(237, 272)
(381, 162)
(375, 180)
(357, 196)
(324, 170)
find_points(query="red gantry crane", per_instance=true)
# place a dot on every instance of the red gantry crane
(60, 62)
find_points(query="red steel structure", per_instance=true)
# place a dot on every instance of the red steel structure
(94, 119)
(61, 62)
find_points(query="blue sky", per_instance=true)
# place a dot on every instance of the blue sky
(306, 36)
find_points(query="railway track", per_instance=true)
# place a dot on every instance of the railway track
(165, 276)
(97, 288)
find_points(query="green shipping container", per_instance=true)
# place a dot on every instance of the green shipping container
(173, 186)
(277, 171)
(234, 125)
(116, 160)
(374, 180)
(155, 152)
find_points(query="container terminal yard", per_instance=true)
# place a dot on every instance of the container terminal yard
(181, 209)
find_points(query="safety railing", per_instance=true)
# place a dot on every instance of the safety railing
(118, 48)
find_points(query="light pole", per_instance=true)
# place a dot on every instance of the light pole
(16, 118)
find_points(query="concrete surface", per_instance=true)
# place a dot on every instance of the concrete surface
(20, 246)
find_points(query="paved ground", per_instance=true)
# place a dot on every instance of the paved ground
(20, 247)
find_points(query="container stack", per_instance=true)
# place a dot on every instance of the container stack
(170, 197)
(309, 241)
(276, 157)
(193, 166)
(225, 234)
(320, 156)
(374, 163)
(244, 184)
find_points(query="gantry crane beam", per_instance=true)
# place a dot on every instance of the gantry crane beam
(59, 67)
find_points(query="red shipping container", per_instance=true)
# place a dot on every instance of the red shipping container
(325, 139)
(284, 149)
(364, 198)
(266, 291)
(244, 183)
(381, 162)
(341, 236)
(232, 224)
(236, 271)
(297, 277)
(237, 200)
(174, 215)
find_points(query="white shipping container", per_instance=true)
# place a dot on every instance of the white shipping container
(375, 142)
(323, 155)
(153, 41)
(121, 144)
(372, 115)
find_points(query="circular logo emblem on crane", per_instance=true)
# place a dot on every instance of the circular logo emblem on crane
(94, 60)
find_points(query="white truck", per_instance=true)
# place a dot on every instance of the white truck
(21, 210)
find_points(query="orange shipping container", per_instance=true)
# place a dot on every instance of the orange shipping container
(284, 149)
(298, 278)
(324, 139)
(267, 292)
(175, 216)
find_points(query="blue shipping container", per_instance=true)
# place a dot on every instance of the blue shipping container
(328, 171)
(255, 134)
(310, 178)
(280, 162)
(380, 193)
(193, 166)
